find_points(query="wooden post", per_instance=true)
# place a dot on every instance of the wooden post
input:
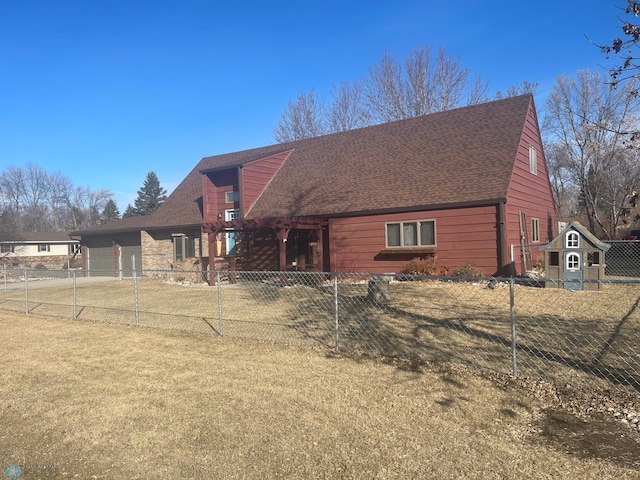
(282, 235)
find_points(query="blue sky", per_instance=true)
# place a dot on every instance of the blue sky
(105, 91)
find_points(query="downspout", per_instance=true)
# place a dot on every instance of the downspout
(240, 193)
(503, 253)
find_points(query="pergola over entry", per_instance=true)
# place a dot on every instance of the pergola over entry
(281, 226)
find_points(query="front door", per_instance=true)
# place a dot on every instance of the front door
(229, 215)
(572, 270)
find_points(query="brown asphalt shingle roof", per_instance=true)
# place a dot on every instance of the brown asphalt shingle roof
(42, 237)
(459, 156)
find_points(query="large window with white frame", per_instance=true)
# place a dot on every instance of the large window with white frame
(418, 233)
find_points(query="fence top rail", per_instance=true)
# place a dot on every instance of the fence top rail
(248, 274)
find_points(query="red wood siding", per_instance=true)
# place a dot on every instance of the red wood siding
(256, 176)
(464, 235)
(528, 192)
(214, 187)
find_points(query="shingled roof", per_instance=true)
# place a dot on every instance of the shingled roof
(457, 157)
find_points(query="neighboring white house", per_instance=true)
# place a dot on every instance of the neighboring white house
(34, 249)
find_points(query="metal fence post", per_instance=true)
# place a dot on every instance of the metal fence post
(75, 296)
(135, 291)
(26, 291)
(219, 302)
(512, 308)
(335, 299)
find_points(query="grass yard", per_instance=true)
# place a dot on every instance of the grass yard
(97, 400)
(586, 336)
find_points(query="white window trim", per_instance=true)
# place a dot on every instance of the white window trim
(571, 256)
(533, 160)
(571, 244)
(401, 223)
(535, 230)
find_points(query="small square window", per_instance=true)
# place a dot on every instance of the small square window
(554, 259)
(593, 259)
(43, 247)
(231, 197)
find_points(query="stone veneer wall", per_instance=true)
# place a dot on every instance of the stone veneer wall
(158, 246)
(49, 262)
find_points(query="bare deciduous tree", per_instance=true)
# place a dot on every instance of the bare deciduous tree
(518, 89)
(394, 90)
(583, 121)
(346, 111)
(385, 91)
(303, 118)
(625, 47)
(33, 199)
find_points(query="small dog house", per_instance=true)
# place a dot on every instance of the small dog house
(573, 256)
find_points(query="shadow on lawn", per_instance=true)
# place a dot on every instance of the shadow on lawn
(482, 338)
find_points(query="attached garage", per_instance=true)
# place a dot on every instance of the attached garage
(110, 256)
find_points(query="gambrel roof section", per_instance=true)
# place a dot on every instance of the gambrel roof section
(458, 157)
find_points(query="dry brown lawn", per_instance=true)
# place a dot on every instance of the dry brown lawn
(95, 400)
(587, 336)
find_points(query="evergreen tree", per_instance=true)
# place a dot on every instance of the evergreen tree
(150, 196)
(110, 212)
(129, 212)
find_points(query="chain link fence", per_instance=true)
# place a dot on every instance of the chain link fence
(527, 327)
(623, 258)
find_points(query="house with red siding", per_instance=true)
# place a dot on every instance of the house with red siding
(462, 185)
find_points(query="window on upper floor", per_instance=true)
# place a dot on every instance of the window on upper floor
(572, 240)
(44, 247)
(7, 248)
(533, 160)
(419, 233)
(74, 248)
(231, 197)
